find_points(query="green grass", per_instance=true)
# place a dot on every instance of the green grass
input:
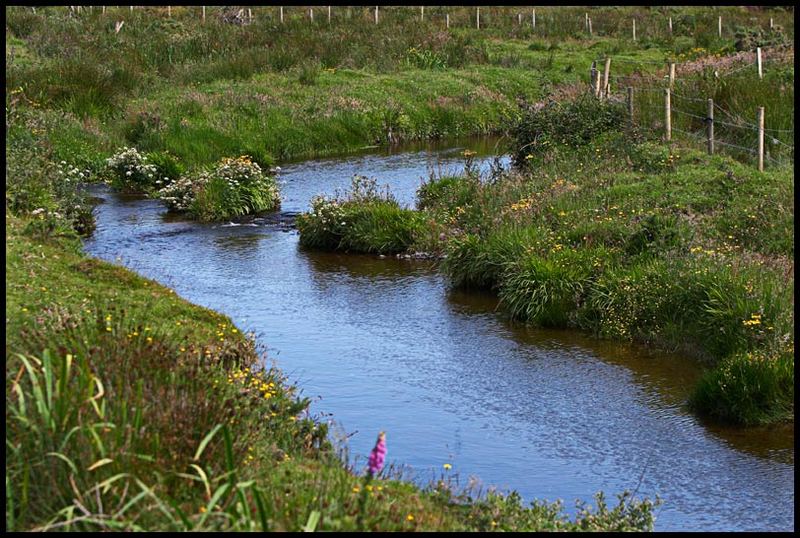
(361, 220)
(636, 241)
(204, 91)
(129, 408)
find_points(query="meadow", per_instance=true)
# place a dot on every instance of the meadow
(129, 408)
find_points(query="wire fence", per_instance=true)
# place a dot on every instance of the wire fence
(685, 115)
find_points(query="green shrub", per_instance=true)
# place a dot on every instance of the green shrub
(748, 388)
(571, 123)
(235, 187)
(130, 171)
(361, 220)
(447, 193)
(749, 38)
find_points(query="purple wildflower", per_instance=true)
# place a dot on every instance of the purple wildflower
(377, 455)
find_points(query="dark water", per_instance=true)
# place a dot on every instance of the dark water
(383, 344)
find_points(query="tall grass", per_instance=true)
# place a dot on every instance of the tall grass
(360, 220)
(130, 409)
(737, 93)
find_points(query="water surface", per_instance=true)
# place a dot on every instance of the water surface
(383, 344)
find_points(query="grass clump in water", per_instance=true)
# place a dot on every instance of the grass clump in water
(361, 220)
(235, 187)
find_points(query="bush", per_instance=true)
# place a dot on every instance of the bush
(446, 193)
(130, 171)
(571, 123)
(235, 187)
(362, 220)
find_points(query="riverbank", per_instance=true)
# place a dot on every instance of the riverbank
(149, 412)
(626, 239)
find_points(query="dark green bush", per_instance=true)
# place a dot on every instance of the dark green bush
(748, 388)
(572, 123)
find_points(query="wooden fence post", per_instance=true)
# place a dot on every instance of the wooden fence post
(590, 26)
(667, 116)
(719, 25)
(421, 13)
(758, 62)
(281, 14)
(761, 139)
(329, 14)
(249, 15)
(533, 19)
(710, 130)
(670, 26)
(671, 75)
(376, 14)
(447, 20)
(204, 13)
(606, 73)
(630, 105)
(586, 22)
(597, 84)
(634, 29)
(519, 19)
(311, 13)
(771, 25)
(478, 19)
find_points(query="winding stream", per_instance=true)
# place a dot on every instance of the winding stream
(383, 344)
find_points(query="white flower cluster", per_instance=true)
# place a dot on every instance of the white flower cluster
(131, 167)
(237, 173)
(180, 194)
(70, 174)
(328, 212)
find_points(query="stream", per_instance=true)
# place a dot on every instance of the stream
(381, 343)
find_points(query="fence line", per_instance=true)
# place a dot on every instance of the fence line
(751, 150)
(649, 113)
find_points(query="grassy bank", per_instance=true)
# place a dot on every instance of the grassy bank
(600, 229)
(129, 408)
(224, 87)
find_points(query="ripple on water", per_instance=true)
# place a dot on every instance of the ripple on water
(385, 345)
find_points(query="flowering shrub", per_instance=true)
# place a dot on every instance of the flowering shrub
(362, 220)
(131, 172)
(180, 194)
(568, 123)
(234, 187)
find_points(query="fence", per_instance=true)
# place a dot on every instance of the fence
(549, 21)
(667, 106)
